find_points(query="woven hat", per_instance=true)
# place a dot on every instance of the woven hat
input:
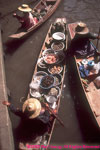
(32, 108)
(81, 28)
(24, 8)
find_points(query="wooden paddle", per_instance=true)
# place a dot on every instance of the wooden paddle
(97, 56)
(52, 112)
(42, 99)
(98, 39)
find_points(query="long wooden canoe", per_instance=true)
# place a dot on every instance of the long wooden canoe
(92, 93)
(52, 6)
(44, 140)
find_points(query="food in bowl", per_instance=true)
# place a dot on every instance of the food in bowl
(55, 69)
(57, 46)
(47, 82)
(51, 58)
(53, 91)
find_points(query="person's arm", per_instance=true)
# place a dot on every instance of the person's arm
(21, 20)
(45, 117)
(93, 36)
(16, 111)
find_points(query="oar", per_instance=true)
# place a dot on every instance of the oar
(98, 39)
(97, 52)
(56, 116)
(50, 110)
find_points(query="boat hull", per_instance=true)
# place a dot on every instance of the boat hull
(22, 34)
(91, 92)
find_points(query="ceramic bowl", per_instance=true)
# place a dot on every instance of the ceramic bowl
(47, 82)
(58, 36)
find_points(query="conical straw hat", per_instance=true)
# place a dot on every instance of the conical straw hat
(24, 8)
(32, 108)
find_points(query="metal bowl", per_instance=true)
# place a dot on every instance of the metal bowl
(51, 99)
(41, 63)
(47, 51)
(58, 79)
(39, 75)
(61, 57)
(35, 93)
(57, 46)
(54, 91)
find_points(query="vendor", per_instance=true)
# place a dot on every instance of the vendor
(80, 44)
(27, 20)
(31, 109)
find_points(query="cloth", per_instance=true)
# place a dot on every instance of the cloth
(97, 82)
(44, 117)
(83, 72)
(81, 46)
(27, 20)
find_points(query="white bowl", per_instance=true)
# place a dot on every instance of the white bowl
(84, 61)
(58, 36)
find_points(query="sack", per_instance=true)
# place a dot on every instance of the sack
(84, 49)
(97, 82)
(96, 68)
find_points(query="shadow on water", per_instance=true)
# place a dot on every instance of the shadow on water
(88, 125)
(13, 44)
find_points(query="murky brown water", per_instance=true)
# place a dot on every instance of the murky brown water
(20, 60)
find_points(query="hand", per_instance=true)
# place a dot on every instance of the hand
(99, 37)
(6, 103)
(55, 111)
(42, 110)
(14, 14)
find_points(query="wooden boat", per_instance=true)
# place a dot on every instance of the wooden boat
(92, 93)
(51, 6)
(45, 138)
